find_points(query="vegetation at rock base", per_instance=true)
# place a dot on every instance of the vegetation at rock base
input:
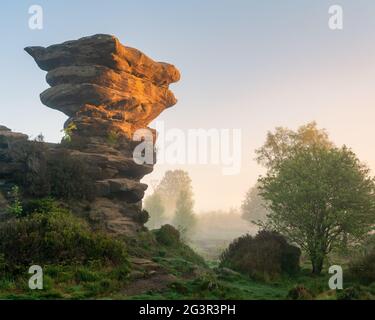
(77, 262)
(68, 132)
(16, 206)
(167, 235)
(55, 237)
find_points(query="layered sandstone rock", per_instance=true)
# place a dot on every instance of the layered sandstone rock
(99, 82)
(108, 91)
(9, 142)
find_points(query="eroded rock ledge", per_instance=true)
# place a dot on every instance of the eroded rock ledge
(108, 91)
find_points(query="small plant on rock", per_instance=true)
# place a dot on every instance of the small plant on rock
(15, 208)
(68, 132)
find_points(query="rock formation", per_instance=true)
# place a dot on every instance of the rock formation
(108, 91)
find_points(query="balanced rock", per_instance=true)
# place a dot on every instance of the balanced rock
(108, 91)
(98, 82)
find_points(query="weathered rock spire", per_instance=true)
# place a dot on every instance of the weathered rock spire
(108, 91)
(123, 87)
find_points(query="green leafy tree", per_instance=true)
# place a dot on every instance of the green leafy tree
(154, 206)
(169, 188)
(185, 219)
(254, 208)
(319, 197)
(283, 142)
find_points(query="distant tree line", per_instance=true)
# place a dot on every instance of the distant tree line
(172, 202)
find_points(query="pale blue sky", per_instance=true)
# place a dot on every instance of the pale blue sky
(245, 64)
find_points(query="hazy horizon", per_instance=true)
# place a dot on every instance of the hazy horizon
(244, 64)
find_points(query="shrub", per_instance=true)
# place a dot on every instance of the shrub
(299, 293)
(289, 256)
(44, 205)
(353, 293)
(207, 282)
(68, 132)
(55, 238)
(266, 256)
(113, 138)
(143, 217)
(2, 265)
(15, 208)
(171, 251)
(121, 272)
(167, 235)
(86, 275)
(363, 269)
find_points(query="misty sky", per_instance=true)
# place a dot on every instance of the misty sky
(251, 65)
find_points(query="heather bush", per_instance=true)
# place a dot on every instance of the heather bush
(167, 235)
(354, 293)
(43, 205)
(299, 292)
(265, 256)
(55, 237)
(363, 269)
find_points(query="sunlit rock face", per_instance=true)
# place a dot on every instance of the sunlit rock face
(100, 83)
(108, 91)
